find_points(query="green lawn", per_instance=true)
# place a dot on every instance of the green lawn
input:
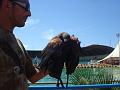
(106, 75)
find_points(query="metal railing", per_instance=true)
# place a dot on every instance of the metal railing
(76, 87)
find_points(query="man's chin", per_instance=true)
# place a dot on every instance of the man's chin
(21, 25)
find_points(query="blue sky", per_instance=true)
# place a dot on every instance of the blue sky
(92, 21)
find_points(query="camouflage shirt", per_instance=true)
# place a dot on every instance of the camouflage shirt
(9, 80)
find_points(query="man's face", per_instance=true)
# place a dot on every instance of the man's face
(14, 13)
(21, 11)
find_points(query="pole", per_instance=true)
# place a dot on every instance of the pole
(118, 36)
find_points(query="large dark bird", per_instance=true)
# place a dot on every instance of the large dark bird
(61, 50)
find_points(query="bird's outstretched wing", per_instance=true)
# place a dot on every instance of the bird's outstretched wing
(73, 54)
(51, 58)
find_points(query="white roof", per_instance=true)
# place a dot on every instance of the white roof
(114, 53)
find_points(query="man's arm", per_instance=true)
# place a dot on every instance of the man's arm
(33, 74)
(39, 75)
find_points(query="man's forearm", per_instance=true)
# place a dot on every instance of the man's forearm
(39, 75)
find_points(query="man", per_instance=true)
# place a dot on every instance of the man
(15, 64)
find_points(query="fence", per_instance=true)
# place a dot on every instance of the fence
(89, 78)
(79, 87)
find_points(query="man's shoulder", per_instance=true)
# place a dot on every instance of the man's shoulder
(18, 40)
(19, 43)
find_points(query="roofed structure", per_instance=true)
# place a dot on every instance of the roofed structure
(34, 53)
(114, 57)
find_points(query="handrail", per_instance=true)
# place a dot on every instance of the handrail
(75, 87)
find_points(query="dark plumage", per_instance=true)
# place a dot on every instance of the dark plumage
(61, 49)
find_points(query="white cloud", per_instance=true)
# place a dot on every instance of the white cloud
(32, 22)
(48, 34)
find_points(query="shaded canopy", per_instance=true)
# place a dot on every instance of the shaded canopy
(114, 55)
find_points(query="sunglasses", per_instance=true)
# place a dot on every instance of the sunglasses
(24, 5)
